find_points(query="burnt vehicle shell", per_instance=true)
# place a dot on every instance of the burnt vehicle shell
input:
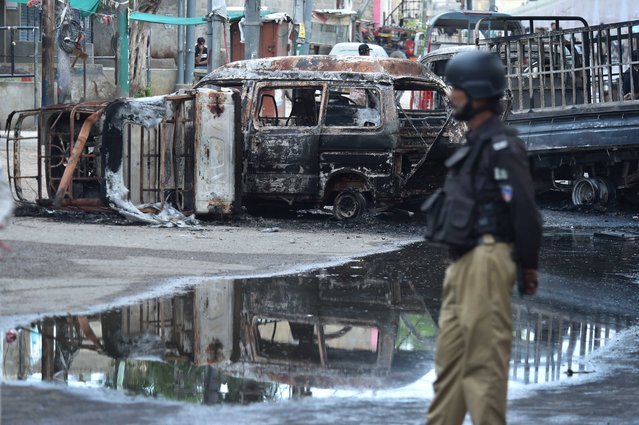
(300, 131)
(327, 159)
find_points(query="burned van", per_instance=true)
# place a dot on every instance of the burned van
(299, 132)
(348, 132)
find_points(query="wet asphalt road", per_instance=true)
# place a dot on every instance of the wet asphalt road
(583, 321)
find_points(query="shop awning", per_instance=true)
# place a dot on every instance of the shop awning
(167, 20)
(87, 7)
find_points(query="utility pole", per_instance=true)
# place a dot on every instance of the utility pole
(303, 19)
(180, 44)
(123, 49)
(215, 34)
(308, 25)
(298, 26)
(190, 43)
(252, 23)
(48, 350)
(48, 52)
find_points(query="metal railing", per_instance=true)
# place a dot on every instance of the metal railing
(565, 68)
(11, 31)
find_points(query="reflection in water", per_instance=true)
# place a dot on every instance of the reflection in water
(366, 325)
(548, 346)
(246, 341)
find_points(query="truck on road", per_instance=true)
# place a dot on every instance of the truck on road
(566, 96)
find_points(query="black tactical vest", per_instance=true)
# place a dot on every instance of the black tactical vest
(452, 212)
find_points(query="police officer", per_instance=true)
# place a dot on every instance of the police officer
(486, 215)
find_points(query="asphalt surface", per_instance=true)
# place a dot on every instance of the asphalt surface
(588, 298)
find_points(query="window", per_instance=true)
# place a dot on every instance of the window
(417, 99)
(289, 106)
(285, 339)
(353, 107)
(29, 17)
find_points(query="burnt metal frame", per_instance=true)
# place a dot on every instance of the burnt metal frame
(155, 144)
(44, 155)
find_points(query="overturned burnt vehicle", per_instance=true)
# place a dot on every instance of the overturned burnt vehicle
(305, 131)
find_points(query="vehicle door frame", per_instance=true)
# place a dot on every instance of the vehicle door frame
(264, 179)
(365, 167)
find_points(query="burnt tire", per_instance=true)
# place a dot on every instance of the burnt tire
(589, 191)
(349, 204)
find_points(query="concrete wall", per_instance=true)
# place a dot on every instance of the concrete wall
(163, 81)
(16, 95)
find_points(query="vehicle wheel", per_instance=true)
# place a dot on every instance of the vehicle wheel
(589, 191)
(584, 192)
(349, 204)
(68, 35)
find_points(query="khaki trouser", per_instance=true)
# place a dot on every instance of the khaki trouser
(473, 345)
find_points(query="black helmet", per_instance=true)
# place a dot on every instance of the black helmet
(480, 74)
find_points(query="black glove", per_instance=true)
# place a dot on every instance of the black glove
(527, 281)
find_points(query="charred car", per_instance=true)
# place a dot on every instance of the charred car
(304, 131)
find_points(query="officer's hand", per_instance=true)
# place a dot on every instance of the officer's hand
(529, 282)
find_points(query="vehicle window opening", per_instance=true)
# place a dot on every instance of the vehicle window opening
(353, 107)
(287, 339)
(289, 106)
(421, 111)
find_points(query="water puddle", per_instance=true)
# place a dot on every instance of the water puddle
(367, 326)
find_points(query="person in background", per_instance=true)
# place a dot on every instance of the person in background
(201, 54)
(364, 50)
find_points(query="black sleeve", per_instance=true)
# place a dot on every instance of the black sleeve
(518, 192)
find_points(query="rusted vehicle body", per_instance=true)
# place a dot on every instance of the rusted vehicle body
(155, 160)
(297, 131)
(565, 97)
(322, 130)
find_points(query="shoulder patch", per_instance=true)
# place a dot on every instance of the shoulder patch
(498, 146)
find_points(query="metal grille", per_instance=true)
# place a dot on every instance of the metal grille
(29, 17)
(565, 68)
(160, 161)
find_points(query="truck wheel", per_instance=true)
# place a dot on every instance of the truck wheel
(589, 191)
(584, 192)
(349, 204)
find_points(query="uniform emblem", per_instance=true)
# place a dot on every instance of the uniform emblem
(501, 174)
(507, 193)
(500, 145)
